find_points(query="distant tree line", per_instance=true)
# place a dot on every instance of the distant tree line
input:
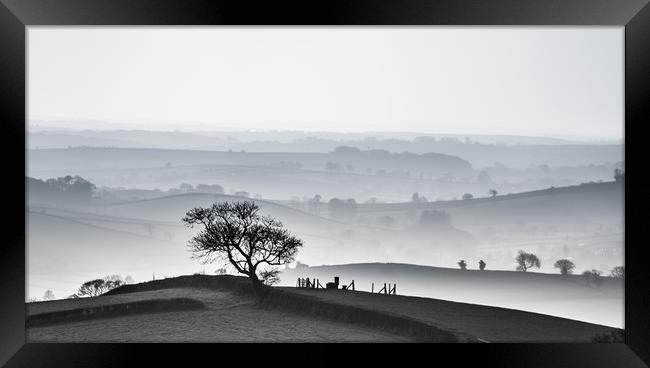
(68, 189)
(526, 261)
(200, 188)
(463, 265)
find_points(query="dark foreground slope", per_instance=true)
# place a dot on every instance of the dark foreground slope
(215, 316)
(290, 314)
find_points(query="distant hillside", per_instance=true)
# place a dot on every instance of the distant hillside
(173, 208)
(87, 157)
(481, 150)
(593, 200)
(564, 296)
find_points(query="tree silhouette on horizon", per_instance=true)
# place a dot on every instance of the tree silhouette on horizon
(526, 261)
(236, 233)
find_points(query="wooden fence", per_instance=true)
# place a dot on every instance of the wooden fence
(314, 283)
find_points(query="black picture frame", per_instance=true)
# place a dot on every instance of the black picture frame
(15, 15)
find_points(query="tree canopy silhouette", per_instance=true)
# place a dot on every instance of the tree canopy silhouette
(462, 264)
(236, 233)
(566, 266)
(98, 287)
(526, 261)
(481, 265)
(618, 272)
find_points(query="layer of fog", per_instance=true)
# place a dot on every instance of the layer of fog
(120, 210)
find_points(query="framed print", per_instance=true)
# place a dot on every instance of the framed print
(449, 175)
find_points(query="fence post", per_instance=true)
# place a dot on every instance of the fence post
(385, 291)
(372, 291)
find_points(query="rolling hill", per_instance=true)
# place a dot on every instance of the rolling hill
(62, 253)
(204, 308)
(553, 294)
(112, 158)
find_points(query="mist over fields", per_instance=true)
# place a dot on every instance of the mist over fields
(364, 198)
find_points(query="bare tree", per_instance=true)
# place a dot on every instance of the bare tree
(526, 261)
(98, 287)
(91, 288)
(566, 266)
(235, 232)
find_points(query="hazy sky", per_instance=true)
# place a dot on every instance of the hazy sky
(562, 82)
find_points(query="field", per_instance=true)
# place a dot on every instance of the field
(300, 315)
(228, 318)
(553, 294)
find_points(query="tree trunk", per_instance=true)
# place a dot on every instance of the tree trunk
(261, 290)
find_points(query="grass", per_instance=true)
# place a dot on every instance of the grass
(290, 314)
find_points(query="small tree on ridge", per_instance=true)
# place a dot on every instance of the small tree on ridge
(526, 261)
(236, 233)
(566, 266)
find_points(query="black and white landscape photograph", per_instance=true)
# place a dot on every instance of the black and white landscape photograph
(325, 184)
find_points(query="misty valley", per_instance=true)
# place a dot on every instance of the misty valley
(417, 211)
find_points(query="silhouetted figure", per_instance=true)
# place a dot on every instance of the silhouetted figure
(481, 265)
